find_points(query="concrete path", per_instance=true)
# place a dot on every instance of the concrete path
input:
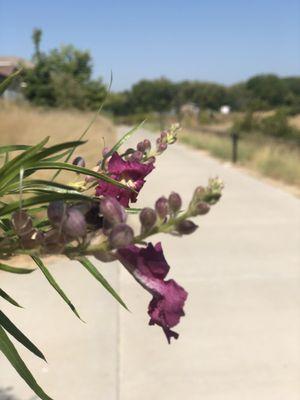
(240, 338)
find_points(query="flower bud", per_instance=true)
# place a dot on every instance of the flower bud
(21, 222)
(56, 212)
(161, 147)
(162, 207)
(186, 227)
(74, 225)
(147, 145)
(105, 151)
(104, 256)
(32, 239)
(175, 202)
(163, 136)
(79, 162)
(112, 211)
(140, 147)
(121, 236)
(54, 241)
(136, 156)
(202, 208)
(147, 217)
(199, 193)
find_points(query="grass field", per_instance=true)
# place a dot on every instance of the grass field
(27, 125)
(276, 160)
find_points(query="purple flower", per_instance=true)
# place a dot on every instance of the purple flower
(149, 267)
(130, 173)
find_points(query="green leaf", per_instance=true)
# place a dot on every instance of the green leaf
(100, 278)
(41, 199)
(15, 270)
(80, 170)
(7, 297)
(11, 328)
(10, 352)
(15, 147)
(54, 284)
(122, 140)
(40, 184)
(4, 85)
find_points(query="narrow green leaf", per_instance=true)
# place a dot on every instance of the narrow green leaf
(14, 147)
(80, 170)
(4, 85)
(10, 352)
(100, 278)
(15, 270)
(54, 284)
(123, 140)
(7, 297)
(11, 328)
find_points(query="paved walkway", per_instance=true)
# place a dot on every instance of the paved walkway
(240, 338)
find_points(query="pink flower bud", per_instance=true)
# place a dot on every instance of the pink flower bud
(175, 202)
(112, 211)
(121, 236)
(74, 225)
(202, 208)
(56, 212)
(162, 207)
(147, 145)
(147, 217)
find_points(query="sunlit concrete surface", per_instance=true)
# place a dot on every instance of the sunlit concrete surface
(240, 338)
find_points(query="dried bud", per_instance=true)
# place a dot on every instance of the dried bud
(74, 225)
(21, 222)
(93, 216)
(56, 212)
(147, 217)
(79, 162)
(162, 207)
(32, 239)
(147, 145)
(112, 211)
(175, 202)
(121, 236)
(54, 241)
(186, 227)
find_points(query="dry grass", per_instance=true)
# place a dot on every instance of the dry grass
(26, 125)
(275, 160)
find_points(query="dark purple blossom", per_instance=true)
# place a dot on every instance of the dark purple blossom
(149, 267)
(130, 173)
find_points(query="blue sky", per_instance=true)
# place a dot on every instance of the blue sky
(222, 41)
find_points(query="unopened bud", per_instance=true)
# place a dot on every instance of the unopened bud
(54, 241)
(121, 236)
(105, 151)
(147, 217)
(161, 147)
(162, 207)
(136, 156)
(56, 212)
(202, 208)
(112, 210)
(163, 137)
(147, 145)
(21, 222)
(79, 162)
(140, 147)
(32, 239)
(74, 225)
(186, 227)
(199, 193)
(175, 202)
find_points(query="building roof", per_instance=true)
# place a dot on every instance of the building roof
(10, 64)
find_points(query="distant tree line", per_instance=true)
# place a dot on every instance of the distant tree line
(63, 78)
(262, 92)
